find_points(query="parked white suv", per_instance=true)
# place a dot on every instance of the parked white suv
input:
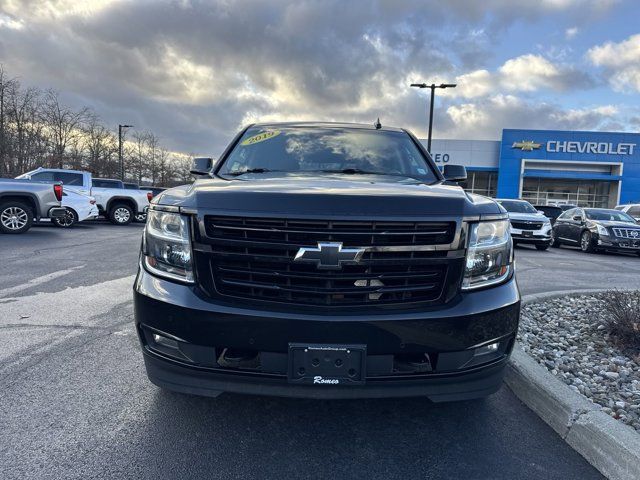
(528, 225)
(114, 201)
(632, 209)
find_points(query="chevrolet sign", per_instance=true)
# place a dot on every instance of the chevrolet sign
(590, 147)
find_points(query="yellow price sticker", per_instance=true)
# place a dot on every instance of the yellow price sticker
(261, 137)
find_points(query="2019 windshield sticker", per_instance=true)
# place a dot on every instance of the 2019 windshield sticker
(261, 137)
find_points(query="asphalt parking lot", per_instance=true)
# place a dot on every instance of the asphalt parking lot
(76, 403)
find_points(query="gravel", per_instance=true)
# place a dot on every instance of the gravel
(568, 337)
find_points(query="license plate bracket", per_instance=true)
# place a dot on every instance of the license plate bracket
(527, 233)
(327, 364)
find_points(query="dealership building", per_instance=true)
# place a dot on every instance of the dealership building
(595, 169)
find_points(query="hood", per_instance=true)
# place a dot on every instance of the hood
(532, 217)
(327, 195)
(609, 223)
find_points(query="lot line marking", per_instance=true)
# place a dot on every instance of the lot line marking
(38, 281)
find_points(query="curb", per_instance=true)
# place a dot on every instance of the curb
(612, 447)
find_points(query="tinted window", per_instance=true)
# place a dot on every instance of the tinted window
(514, 206)
(549, 211)
(569, 213)
(43, 177)
(634, 211)
(68, 178)
(131, 186)
(608, 215)
(106, 183)
(567, 207)
(315, 149)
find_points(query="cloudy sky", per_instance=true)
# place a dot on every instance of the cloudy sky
(194, 72)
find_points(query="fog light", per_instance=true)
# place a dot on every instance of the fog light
(164, 341)
(487, 349)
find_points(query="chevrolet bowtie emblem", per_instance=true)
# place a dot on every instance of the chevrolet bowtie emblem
(329, 255)
(526, 146)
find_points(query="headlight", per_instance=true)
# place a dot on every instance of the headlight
(601, 230)
(166, 246)
(489, 257)
(547, 223)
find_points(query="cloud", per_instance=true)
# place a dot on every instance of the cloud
(620, 62)
(571, 32)
(485, 117)
(526, 73)
(195, 71)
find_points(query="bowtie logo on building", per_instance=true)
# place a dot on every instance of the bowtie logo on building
(526, 146)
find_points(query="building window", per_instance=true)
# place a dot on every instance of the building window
(584, 193)
(482, 183)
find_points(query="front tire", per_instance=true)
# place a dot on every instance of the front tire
(15, 217)
(67, 221)
(555, 243)
(586, 242)
(121, 214)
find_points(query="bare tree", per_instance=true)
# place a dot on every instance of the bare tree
(101, 148)
(63, 125)
(152, 154)
(36, 129)
(28, 147)
(7, 85)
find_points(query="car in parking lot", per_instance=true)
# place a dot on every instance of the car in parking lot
(528, 225)
(594, 229)
(79, 207)
(552, 212)
(327, 261)
(114, 202)
(632, 209)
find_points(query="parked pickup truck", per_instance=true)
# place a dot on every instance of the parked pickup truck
(22, 202)
(114, 201)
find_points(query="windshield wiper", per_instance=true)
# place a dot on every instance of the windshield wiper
(355, 171)
(358, 171)
(250, 170)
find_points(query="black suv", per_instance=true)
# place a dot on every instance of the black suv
(326, 261)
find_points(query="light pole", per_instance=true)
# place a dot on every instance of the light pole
(120, 132)
(433, 87)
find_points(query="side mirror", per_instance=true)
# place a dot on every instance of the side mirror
(542, 213)
(577, 218)
(455, 173)
(201, 166)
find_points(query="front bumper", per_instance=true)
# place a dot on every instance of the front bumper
(450, 335)
(537, 237)
(629, 245)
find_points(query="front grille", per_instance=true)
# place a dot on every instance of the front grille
(524, 225)
(632, 233)
(252, 258)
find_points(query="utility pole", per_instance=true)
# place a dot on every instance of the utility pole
(120, 133)
(433, 87)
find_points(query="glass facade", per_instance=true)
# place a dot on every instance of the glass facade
(584, 193)
(482, 183)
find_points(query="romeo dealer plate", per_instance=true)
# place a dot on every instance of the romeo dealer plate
(327, 365)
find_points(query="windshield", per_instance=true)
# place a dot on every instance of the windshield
(517, 207)
(608, 215)
(335, 150)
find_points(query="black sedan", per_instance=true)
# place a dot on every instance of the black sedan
(594, 229)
